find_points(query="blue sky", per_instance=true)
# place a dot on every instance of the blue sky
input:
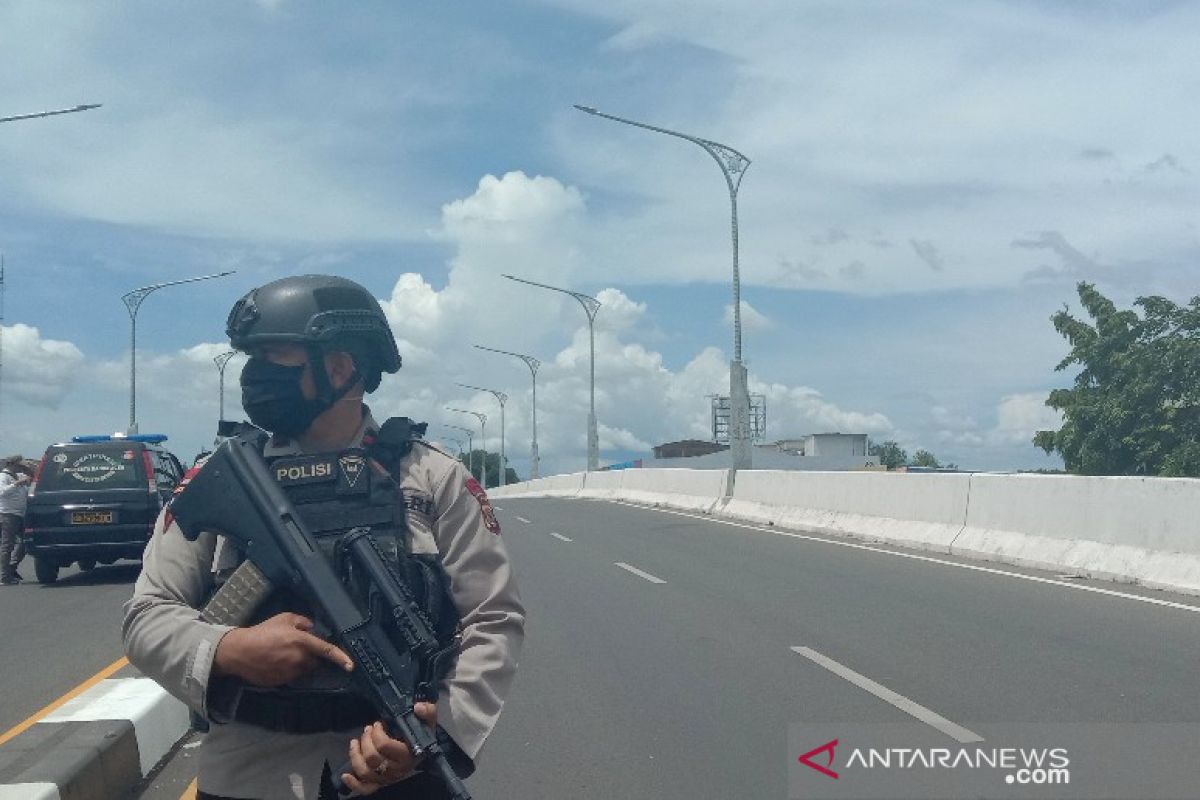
(929, 180)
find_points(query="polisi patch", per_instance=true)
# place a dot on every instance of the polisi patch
(485, 505)
(353, 466)
(310, 469)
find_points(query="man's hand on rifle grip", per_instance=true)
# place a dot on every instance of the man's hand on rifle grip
(275, 651)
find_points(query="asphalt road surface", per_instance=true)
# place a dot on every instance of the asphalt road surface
(54, 637)
(667, 654)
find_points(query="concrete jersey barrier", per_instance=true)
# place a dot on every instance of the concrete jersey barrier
(1117, 528)
(1138, 530)
(921, 510)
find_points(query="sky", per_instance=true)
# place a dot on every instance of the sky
(928, 182)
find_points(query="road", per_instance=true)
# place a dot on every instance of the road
(56, 636)
(660, 658)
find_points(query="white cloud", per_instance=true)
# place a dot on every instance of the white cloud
(752, 318)
(1020, 416)
(37, 371)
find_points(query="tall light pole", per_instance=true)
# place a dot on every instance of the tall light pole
(81, 107)
(470, 445)
(482, 438)
(590, 306)
(133, 301)
(501, 398)
(533, 364)
(222, 361)
(733, 166)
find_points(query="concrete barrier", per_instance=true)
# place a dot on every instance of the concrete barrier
(1141, 530)
(919, 510)
(96, 746)
(687, 489)
(550, 486)
(1137, 530)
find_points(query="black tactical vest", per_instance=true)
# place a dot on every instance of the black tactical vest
(334, 493)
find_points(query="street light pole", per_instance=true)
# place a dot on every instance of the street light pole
(502, 398)
(81, 107)
(733, 166)
(590, 306)
(470, 445)
(533, 364)
(482, 438)
(133, 301)
(221, 361)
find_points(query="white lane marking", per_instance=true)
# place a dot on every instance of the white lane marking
(524, 520)
(560, 537)
(638, 572)
(928, 559)
(931, 718)
(497, 508)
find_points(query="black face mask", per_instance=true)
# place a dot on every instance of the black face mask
(273, 399)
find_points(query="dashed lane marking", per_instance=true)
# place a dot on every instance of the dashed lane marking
(560, 537)
(638, 572)
(1195, 609)
(527, 522)
(930, 718)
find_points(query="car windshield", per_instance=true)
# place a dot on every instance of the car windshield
(112, 466)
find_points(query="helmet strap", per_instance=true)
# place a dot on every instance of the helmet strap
(326, 394)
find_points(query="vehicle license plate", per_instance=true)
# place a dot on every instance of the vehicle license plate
(91, 517)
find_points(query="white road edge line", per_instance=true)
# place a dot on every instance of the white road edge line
(928, 559)
(638, 572)
(931, 718)
(560, 537)
(524, 520)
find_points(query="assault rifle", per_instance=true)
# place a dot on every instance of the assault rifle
(390, 642)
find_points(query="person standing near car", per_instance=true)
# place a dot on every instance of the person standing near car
(276, 692)
(14, 488)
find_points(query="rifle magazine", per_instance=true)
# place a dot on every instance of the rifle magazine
(239, 597)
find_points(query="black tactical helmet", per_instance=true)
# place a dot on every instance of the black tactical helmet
(321, 313)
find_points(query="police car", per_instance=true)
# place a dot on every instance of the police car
(94, 500)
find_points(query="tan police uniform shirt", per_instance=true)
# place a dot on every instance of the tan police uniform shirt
(447, 514)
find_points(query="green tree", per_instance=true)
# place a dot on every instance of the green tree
(1134, 407)
(892, 455)
(492, 462)
(924, 458)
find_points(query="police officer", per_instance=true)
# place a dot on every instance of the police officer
(276, 692)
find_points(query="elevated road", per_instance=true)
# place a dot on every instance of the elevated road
(668, 654)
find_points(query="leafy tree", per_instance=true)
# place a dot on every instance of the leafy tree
(491, 461)
(924, 458)
(1134, 408)
(892, 455)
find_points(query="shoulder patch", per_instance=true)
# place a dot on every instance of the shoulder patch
(485, 505)
(168, 517)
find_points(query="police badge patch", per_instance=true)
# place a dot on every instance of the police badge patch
(485, 505)
(352, 467)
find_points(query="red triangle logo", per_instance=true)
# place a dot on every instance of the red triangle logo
(828, 747)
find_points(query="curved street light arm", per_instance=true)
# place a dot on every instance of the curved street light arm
(40, 114)
(733, 163)
(590, 304)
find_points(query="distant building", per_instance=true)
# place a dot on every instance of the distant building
(688, 448)
(832, 452)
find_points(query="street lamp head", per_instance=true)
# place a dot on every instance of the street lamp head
(586, 109)
(86, 106)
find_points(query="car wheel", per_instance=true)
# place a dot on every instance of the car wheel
(46, 569)
(87, 564)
